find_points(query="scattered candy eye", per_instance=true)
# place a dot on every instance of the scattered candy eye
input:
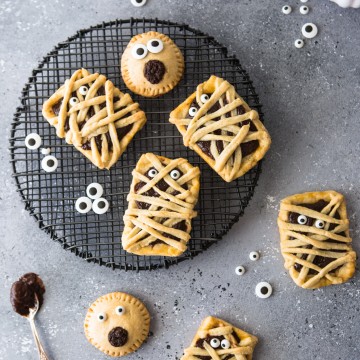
(175, 174)
(45, 151)
(319, 224)
(138, 3)
(225, 344)
(33, 141)
(240, 270)
(304, 10)
(73, 101)
(155, 46)
(286, 9)
(192, 111)
(302, 219)
(120, 310)
(309, 30)
(152, 173)
(94, 191)
(304, 1)
(215, 343)
(204, 98)
(139, 51)
(299, 43)
(83, 90)
(83, 205)
(100, 206)
(263, 290)
(101, 317)
(254, 255)
(49, 163)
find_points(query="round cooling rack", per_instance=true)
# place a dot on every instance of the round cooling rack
(50, 197)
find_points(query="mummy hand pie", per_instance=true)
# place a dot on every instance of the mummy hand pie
(151, 64)
(219, 340)
(314, 239)
(91, 113)
(117, 324)
(220, 126)
(162, 197)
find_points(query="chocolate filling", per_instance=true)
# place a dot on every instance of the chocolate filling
(154, 71)
(118, 336)
(24, 292)
(200, 344)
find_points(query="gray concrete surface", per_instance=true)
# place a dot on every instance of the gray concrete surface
(311, 104)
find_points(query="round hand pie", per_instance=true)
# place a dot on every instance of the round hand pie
(117, 324)
(151, 64)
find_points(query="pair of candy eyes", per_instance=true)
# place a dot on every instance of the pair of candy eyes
(119, 310)
(174, 174)
(302, 220)
(139, 51)
(83, 90)
(203, 98)
(215, 343)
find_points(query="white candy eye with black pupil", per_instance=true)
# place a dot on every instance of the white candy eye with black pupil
(309, 30)
(286, 9)
(304, 10)
(33, 141)
(299, 43)
(100, 206)
(175, 174)
(263, 290)
(73, 101)
(120, 310)
(152, 173)
(83, 205)
(215, 343)
(139, 51)
(192, 111)
(49, 163)
(94, 191)
(254, 256)
(101, 317)
(302, 219)
(204, 98)
(138, 3)
(155, 46)
(319, 224)
(225, 344)
(83, 90)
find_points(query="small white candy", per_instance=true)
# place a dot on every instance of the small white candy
(304, 1)
(94, 191)
(304, 10)
(263, 290)
(254, 255)
(192, 111)
(240, 270)
(152, 173)
(100, 206)
(83, 205)
(225, 344)
(120, 310)
(83, 90)
(45, 151)
(204, 98)
(49, 163)
(33, 141)
(215, 343)
(73, 101)
(286, 9)
(302, 219)
(175, 174)
(101, 317)
(299, 43)
(309, 30)
(319, 224)
(138, 3)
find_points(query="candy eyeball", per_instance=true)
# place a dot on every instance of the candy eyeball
(215, 343)
(304, 1)
(73, 101)
(49, 163)
(254, 256)
(240, 270)
(286, 9)
(155, 46)
(120, 310)
(152, 173)
(46, 151)
(304, 10)
(263, 290)
(94, 191)
(138, 3)
(299, 43)
(192, 111)
(83, 205)
(204, 98)
(100, 206)
(175, 174)
(319, 224)
(225, 344)
(83, 90)
(33, 141)
(139, 51)
(101, 317)
(309, 30)
(302, 219)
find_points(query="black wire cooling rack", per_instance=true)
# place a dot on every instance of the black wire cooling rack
(50, 197)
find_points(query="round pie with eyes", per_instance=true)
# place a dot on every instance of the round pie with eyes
(117, 324)
(151, 64)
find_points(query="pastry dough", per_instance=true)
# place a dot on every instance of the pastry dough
(95, 116)
(219, 340)
(161, 205)
(315, 241)
(222, 128)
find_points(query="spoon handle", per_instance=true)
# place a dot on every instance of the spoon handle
(40, 348)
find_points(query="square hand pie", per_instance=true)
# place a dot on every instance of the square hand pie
(220, 126)
(314, 238)
(95, 116)
(162, 197)
(219, 340)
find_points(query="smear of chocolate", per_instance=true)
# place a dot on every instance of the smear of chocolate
(118, 336)
(154, 71)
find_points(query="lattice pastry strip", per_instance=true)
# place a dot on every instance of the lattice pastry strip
(315, 241)
(91, 113)
(220, 126)
(162, 197)
(219, 340)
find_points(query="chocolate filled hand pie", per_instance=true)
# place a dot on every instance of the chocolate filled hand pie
(220, 126)
(314, 238)
(162, 197)
(219, 340)
(95, 116)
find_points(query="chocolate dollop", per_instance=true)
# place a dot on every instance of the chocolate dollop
(154, 71)
(118, 336)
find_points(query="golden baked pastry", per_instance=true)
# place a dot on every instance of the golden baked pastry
(162, 197)
(91, 113)
(151, 64)
(315, 241)
(117, 324)
(218, 340)
(220, 126)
